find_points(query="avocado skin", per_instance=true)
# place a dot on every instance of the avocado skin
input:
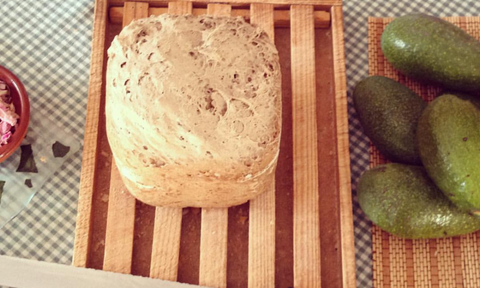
(430, 49)
(448, 138)
(389, 113)
(402, 200)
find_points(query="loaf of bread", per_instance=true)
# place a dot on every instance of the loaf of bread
(193, 110)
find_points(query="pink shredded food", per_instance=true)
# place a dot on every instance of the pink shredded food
(8, 117)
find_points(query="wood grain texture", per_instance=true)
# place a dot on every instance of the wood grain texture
(344, 177)
(213, 247)
(214, 230)
(261, 249)
(219, 10)
(210, 237)
(121, 204)
(178, 8)
(134, 11)
(168, 221)
(316, 3)
(90, 140)
(102, 177)
(166, 243)
(306, 224)
(281, 18)
(120, 226)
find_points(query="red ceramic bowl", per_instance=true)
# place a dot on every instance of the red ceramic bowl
(22, 108)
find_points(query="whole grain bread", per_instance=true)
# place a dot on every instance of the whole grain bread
(193, 110)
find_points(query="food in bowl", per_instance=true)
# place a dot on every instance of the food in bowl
(8, 117)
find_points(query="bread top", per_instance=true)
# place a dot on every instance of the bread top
(194, 92)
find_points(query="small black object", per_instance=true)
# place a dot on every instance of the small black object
(2, 183)
(28, 183)
(27, 162)
(60, 150)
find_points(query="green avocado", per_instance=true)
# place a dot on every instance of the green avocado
(428, 48)
(448, 138)
(389, 112)
(402, 200)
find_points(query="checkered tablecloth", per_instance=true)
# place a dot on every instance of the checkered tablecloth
(47, 44)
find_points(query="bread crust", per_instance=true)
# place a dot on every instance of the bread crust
(193, 110)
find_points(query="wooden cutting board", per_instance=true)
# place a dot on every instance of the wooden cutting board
(299, 233)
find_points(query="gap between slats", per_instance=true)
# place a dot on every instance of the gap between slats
(281, 18)
(305, 157)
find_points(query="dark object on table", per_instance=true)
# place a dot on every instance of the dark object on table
(2, 183)
(433, 50)
(403, 200)
(28, 183)
(448, 141)
(22, 108)
(27, 162)
(60, 150)
(389, 113)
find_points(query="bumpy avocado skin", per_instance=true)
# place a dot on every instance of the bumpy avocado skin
(402, 200)
(448, 138)
(433, 50)
(389, 114)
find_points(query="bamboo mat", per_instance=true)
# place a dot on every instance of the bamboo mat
(451, 262)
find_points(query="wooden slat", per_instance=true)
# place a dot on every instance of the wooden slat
(305, 158)
(168, 221)
(219, 10)
(178, 8)
(133, 10)
(213, 239)
(121, 205)
(120, 226)
(213, 247)
(263, 16)
(261, 249)
(281, 18)
(90, 140)
(341, 116)
(261, 246)
(317, 3)
(166, 243)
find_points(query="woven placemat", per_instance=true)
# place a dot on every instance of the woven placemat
(450, 262)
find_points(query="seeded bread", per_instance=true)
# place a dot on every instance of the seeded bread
(193, 110)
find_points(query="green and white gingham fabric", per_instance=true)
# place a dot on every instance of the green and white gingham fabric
(47, 44)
